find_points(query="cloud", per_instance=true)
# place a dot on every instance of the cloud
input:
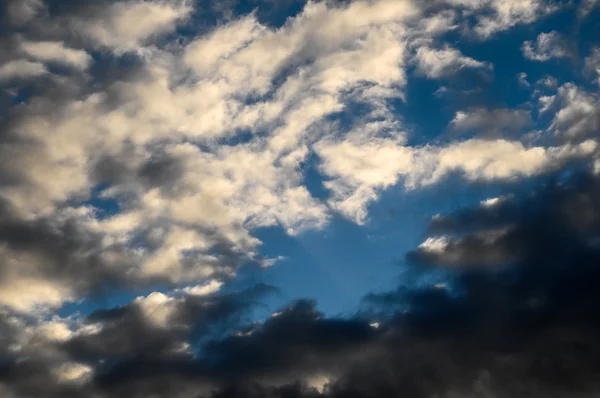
(186, 211)
(125, 26)
(586, 7)
(69, 355)
(577, 114)
(57, 258)
(592, 64)
(499, 122)
(547, 46)
(522, 79)
(19, 12)
(444, 62)
(21, 69)
(359, 172)
(510, 232)
(493, 16)
(502, 159)
(194, 206)
(56, 52)
(359, 169)
(516, 305)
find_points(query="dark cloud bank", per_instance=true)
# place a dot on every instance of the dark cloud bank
(519, 322)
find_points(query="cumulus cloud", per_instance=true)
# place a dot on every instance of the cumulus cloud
(522, 79)
(193, 205)
(359, 171)
(577, 112)
(592, 64)
(493, 16)
(444, 62)
(547, 46)
(125, 26)
(21, 69)
(56, 52)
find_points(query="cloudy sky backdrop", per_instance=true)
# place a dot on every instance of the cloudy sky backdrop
(281, 198)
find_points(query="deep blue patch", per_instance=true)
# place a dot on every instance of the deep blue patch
(105, 207)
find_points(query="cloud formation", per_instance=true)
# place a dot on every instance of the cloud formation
(142, 149)
(547, 46)
(514, 317)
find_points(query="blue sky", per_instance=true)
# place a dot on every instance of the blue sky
(185, 180)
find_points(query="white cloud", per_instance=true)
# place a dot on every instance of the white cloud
(158, 308)
(218, 194)
(360, 167)
(492, 202)
(491, 121)
(546, 101)
(435, 245)
(24, 294)
(592, 64)
(21, 69)
(360, 171)
(547, 82)
(203, 142)
(72, 372)
(578, 114)
(494, 16)
(547, 46)
(56, 52)
(522, 79)
(444, 62)
(125, 26)
(501, 159)
(203, 290)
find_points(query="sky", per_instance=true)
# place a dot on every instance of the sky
(299, 199)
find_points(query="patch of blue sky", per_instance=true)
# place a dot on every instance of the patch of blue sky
(342, 263)
(104, 206)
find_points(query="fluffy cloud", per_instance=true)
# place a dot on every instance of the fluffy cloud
(21, 69)
(186, 210)
(125, 26)
(360, 171)
(547, 46)
(592, 64)
(56, 52)
(444, 62)
(494, 16)
(577, 112)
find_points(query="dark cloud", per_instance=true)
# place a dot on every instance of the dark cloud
(131, 331)
(522, 323)
(59, 249)
(515, 329)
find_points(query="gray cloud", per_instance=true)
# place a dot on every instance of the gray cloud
(490, 123)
